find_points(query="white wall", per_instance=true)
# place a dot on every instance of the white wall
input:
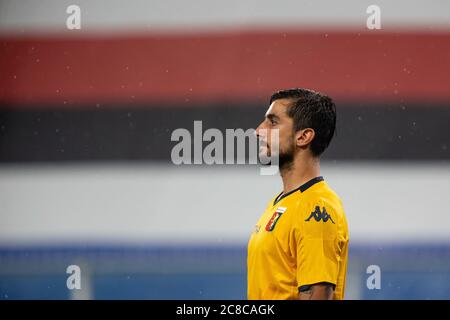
(151, 15)
(146, 202)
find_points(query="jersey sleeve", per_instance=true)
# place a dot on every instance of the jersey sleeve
(318, 251)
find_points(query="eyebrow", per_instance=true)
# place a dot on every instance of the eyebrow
(271, 116)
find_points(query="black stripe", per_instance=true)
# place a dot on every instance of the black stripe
(380, 132)
(302, 188)
(310, 183)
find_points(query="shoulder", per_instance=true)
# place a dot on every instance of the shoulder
(321, 211)
(322, 196)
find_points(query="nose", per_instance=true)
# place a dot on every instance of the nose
(258, 130)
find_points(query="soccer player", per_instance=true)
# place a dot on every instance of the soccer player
(299, 247)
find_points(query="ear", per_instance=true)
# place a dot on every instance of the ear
(304, 137)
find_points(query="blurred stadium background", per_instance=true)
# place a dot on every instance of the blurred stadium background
(86, 118)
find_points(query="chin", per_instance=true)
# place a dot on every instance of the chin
(264, 154)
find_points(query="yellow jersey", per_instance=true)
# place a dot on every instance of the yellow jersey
(301, 239)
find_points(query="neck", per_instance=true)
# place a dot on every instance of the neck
(302, 169)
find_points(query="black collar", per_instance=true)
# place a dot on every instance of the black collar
(302, 188)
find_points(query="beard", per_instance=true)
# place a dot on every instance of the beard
(286, 159)
(285, 156)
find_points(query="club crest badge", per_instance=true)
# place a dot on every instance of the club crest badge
(274, 219)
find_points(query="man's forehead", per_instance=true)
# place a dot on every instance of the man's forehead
(278, 107)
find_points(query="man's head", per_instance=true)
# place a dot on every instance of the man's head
(306, 121)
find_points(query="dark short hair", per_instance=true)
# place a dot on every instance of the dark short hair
(310, 109)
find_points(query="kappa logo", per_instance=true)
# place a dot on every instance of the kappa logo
(275, 217)
(318, 215)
